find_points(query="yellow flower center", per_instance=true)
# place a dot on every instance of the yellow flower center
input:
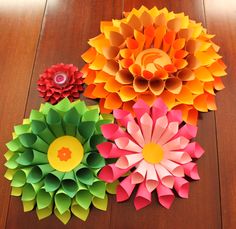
(65, 153)
(152, 153)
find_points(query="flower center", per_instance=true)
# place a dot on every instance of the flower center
(60, 78)
(65, 153)
(152, 153)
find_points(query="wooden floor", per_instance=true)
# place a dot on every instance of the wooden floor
(35, 34)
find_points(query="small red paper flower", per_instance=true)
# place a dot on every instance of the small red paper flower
(60, 81)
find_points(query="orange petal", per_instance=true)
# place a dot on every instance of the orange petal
(218, 84)
(88, 92)
(112, 101)
(174, 85)
(112, 85)
(124, 76)
(200, 103)
(203, 74)
(180, 54)
(102, 77)
(147, 74)
(211, 103)
(98, 63)
(103, 110)
(111, 52)
(185, 96)
(168, 98)
(208, 86)
(170, 68)
(147, 97)
(192, 117)
(126, 30)
(89, 55)
(135, 69)
(127, 93)
(99, 91)
(156, 85)
(111, 67)
(140, 84)
(179, 44)
(116, 39)
(128, 106)
(125, 53)
(204, 58)
(126, 63)
(131, 43)
(134, 22)
(217, 69)
(186, 75)
(160, 32)
(180, 63)
(99, 42)
(195, 86)
(89, 79)
(174, 24)
(184, 110)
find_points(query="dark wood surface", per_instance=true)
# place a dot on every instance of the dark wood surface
(36, 34)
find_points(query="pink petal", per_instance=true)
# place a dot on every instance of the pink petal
(123, 117)
(178, 156)
(176, 144)
(128, 160)
(175, 116)
(139, 174)
(110, 150)
(165, 176)
(190, 169)
(159, 128)
(124, 189)
(146, 125)
(165, 196)
(182, 187)
(140, 108)
(126, 144)
(135, 131)
(171, 131)
(151, 178)
(110, 173)
(194, 150)
(175, 169)
(142, 198)
(158, 109)
(188, 131)
(112, 131)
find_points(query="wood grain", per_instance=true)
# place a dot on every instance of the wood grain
(20, 24)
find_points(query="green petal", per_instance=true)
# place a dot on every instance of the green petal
(86, 129)
(85, 175)
(71, 120)
(44, 199)
(84, 198)
(16, 191)
(21, 129)
(65, 217)
(29, 191)
(28, 205)
(54, 121)
(95, 140)
(64, 105)
(36, 115)
(11, 163)
(79, 211)
(69, 184)
(100, 203)
(45, 212)
(52, 181)
(91, 115)
(80, 106)
(9, 174)
(62, 201)
(109, 117)
(19, 178)
(95, 160)
(8, 155)
(15, 145)
(111, 187)
(98, 189)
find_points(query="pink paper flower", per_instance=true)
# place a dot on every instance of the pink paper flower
(60, 81)
(156, 148)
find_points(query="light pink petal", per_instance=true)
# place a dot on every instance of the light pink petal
(143, 197)
(123, 117)
(165, 196)
(178, 156)
(176, 144)
(112, 131)
(140, 108)
(174, 168)
(158, 109)
(124, 189)
(159, 128)
(170, 131)
(139, 174)
(128, 160)
(126, 144)
(190, 169)
(165, 176)
(151, 178)
(110, 150)
(110, 173)
(175, 116)
(146, 125)
(136, 133)
(194, 150)
(182, 187)
(188, 131)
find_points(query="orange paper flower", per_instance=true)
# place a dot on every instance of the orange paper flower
(154, 53)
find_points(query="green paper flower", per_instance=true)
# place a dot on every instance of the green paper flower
(53, 161)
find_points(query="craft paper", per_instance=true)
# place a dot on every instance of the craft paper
(53, 160)
(60, 81)
(156, 147)
(154, 53)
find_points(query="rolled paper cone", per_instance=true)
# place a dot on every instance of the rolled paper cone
(194, 150)
(190, 169)
(159, 109)
(175, 116)
(69, 184)
(62, 201)
(146, 125)
(200, 103)
(156, 85)
(159, 128)
(185, 33)
(122, 117)
(70, 121)
(45, 212)
(112, 85)
(140, 84)
(126, 30)
(54, 121)
(40, 128)
(185, 96)
(127, 93)
(94, 141)
(79, 211)
(86, 130)
(178, 156)
(100, 203)
(182, 187)
(134, 22)
(124, 189)
(160, 20)
(165, 176)
(165, 196)
(160, 30)
(63, 106)
(176, 144)
(30, 140)
(112, 131)
(168, 40)
(36, 115)
(170, 131)
(110, 52)
(140, 107)
(143, 197)
(180, 54)
(89, 55)
(65, 217)
(186, 75)
(149, 33)
(127, 161)
(43, 199)
(192, 116)
(15, 145)
(188, 131)
(94, 160)
(139, 174)
(193, 62)
(111, 67)
(98, 189)
(30, 190)
(19, 178)
(53, 180)
(21, 129)
(135, 131)
(98, 62)
(38, 172)
(126, 144)
(151, 178)
(174, 85)
(84, 198)
(110, 173)
(135, 69)
(28, 205)
(146, 19)
(192, 46)
(124, 76)
(80, 106)
(11, 163)
(174, 168)
(108, 119)
(179, 44)
(84, 175)
(174, 24)
(116, 39)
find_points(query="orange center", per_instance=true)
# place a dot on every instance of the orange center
(64, 154)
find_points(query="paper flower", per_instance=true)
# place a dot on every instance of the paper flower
(60, 81)
(53, 161)
(154, 53)
(156, 149)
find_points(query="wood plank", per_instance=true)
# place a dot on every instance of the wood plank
(202, 209)
(220, 16)
(20, 26)
(67, 27)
